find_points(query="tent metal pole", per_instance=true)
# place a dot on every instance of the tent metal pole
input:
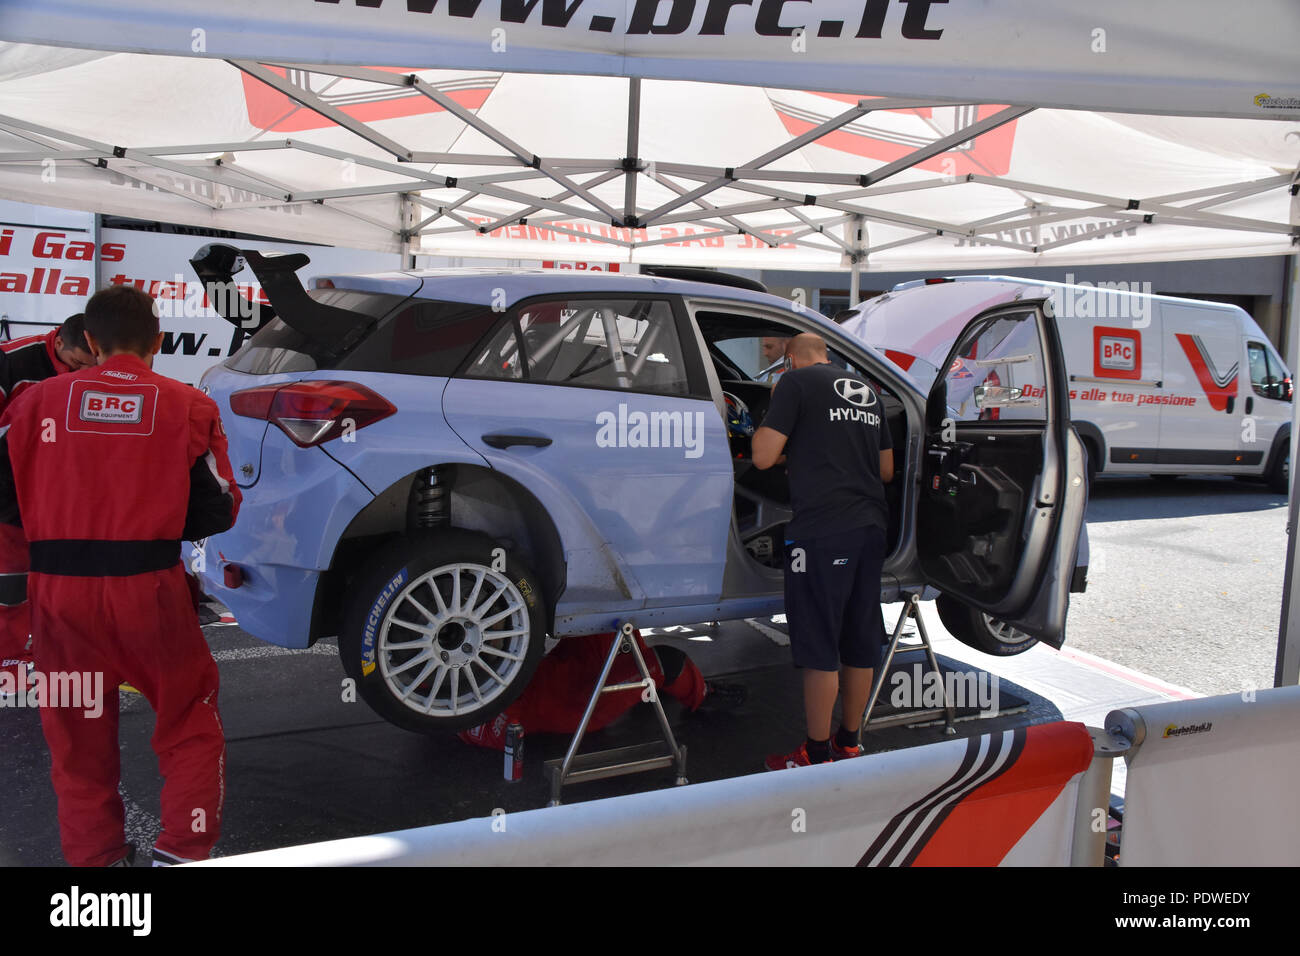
(713, 211)
(822, 228)
(528, 213)
(633, 144)
(1001, 118)
(910, 240)
(1189, 216)
(771, 156)
(856, 228)
(472, 120)
(144, 159)
(361, 217)
(96, 238)
(317, 105)
(879, 215)
(1287, 670)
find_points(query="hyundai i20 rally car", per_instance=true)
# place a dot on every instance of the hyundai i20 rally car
(445, 468)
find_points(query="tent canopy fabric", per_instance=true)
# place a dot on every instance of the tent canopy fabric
(1187, 57)
(484, 162)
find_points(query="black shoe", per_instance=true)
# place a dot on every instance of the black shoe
(208, 616)
(163, 858)
(129, 859)
(723, 696)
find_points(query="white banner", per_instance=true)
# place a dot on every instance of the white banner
(1191, 57)
(1213, 782)
(1001, 799)
(48, 273)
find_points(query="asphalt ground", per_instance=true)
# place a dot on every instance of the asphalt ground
(1185, 580)
(1185, 587)
(303, 765)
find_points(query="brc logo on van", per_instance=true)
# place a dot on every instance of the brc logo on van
(116, 408)
(1116, 353)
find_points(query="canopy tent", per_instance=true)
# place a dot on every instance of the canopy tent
(1186, 57)
(904, 171)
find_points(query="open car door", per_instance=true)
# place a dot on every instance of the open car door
(1004, 489)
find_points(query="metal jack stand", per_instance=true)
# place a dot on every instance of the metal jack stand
(600, 764)
(911, 609)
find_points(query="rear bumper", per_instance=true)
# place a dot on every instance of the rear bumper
(274, 604)
(285, 536)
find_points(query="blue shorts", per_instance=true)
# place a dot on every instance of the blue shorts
(832, 599)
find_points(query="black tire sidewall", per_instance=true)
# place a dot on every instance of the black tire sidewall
(1278, 477)
(409, 558)
(967, 625)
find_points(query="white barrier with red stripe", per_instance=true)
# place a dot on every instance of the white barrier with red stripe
(1002, 798)
(1212, 781)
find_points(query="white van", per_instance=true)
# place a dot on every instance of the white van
(1158, 385)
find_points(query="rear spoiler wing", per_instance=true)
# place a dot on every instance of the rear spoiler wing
(216, 264)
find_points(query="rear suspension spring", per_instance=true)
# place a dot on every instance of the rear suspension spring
(429, 505)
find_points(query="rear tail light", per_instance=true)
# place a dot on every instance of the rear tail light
(936, 281)
(312, 413)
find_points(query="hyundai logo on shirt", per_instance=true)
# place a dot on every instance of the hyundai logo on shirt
(855, 393)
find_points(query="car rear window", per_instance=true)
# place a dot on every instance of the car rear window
(411, 336)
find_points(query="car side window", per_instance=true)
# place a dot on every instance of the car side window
(628, 344)
(1265, 374)
(998, 373)
(501, 357)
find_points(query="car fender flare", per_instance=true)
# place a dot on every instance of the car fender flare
(384, 519)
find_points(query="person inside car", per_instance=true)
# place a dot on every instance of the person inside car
(772, 348)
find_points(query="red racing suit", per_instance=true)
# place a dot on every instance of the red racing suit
(108, 469)
(23, 363)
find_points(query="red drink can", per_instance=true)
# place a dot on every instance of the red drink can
(515, 752)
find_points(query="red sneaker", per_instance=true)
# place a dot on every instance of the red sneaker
(844, 753)
(798, 758)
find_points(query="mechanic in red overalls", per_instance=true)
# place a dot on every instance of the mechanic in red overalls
(107, 470)
(557, 696)
(23, 363)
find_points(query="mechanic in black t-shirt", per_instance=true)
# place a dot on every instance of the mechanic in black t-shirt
(829, 427)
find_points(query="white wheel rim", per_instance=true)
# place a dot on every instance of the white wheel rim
(1005, 632)
(453, 640)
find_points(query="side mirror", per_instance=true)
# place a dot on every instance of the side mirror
(996, 396)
